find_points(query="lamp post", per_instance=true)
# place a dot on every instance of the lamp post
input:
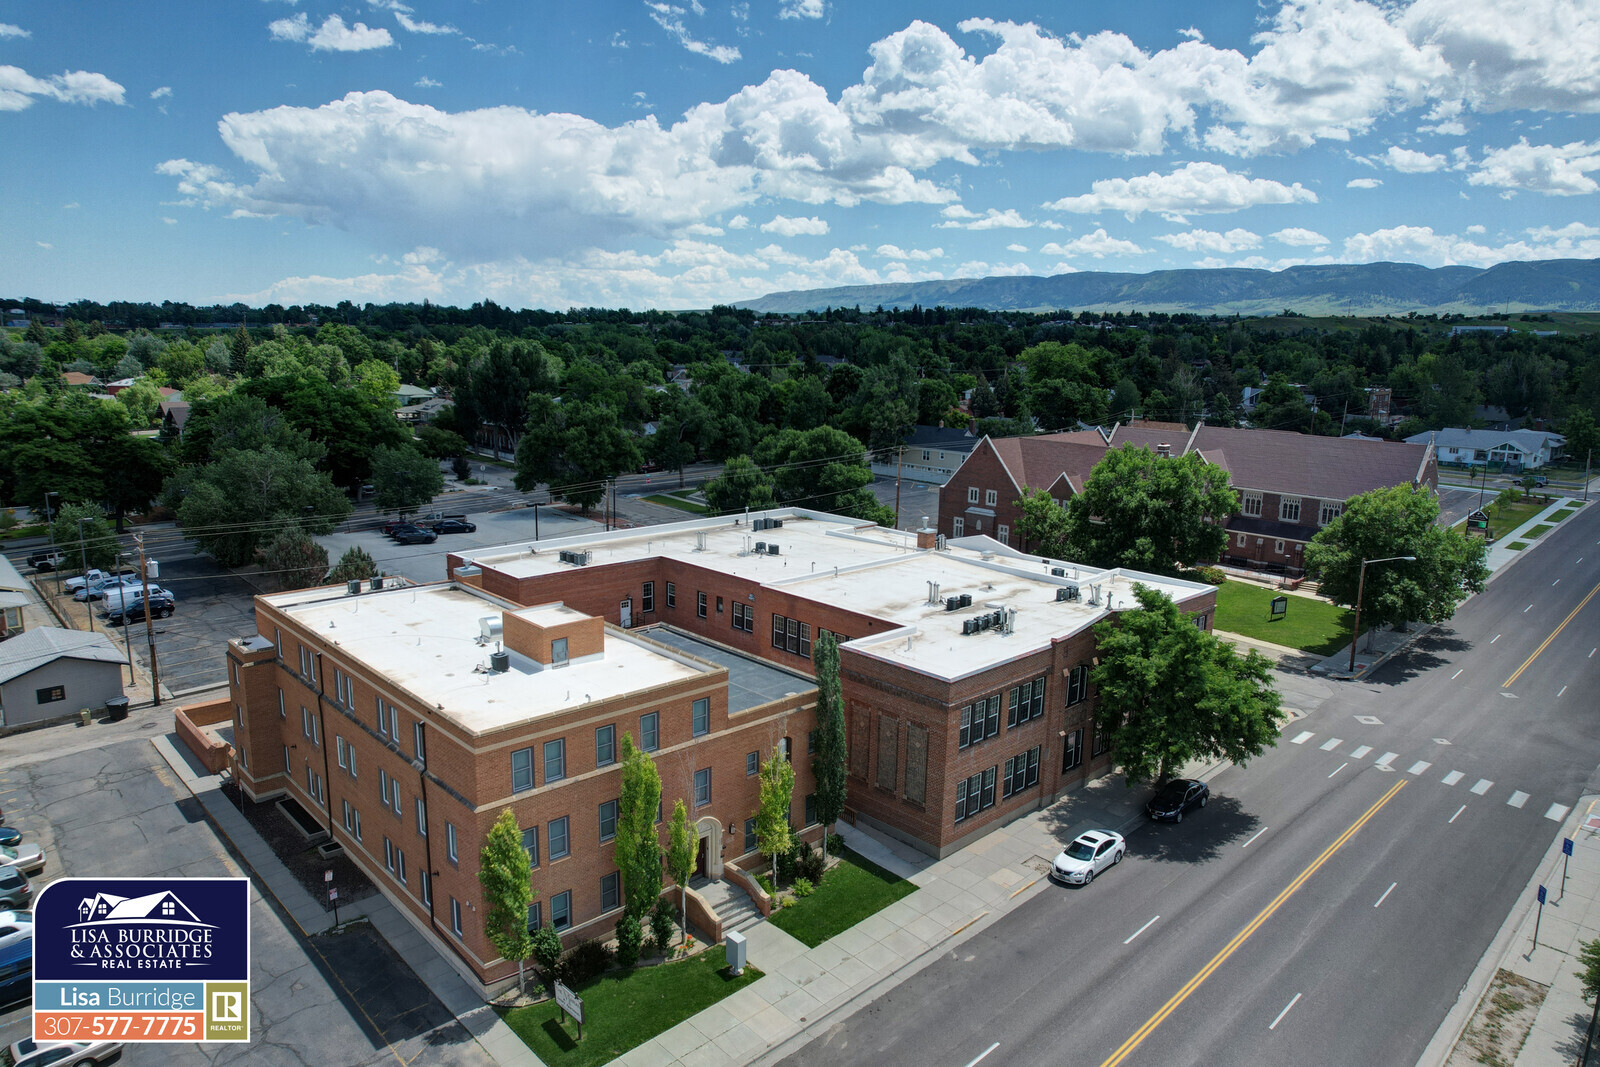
(1361, 585)
(51, 526)
(536, 508)
(84, 559)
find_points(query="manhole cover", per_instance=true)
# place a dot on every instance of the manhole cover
(1369, 720)
(148, 725)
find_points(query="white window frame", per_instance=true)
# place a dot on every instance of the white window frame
(958, 527)
(1289, 509)
(422, 816)
(1328, 511)
(972, 494)
(1250, 504)
(991, 497)
(450, 842)
(1003, 534)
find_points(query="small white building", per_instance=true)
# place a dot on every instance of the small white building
(1527, 449)
(51, 673)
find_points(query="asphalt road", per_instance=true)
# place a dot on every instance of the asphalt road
(1264, 929)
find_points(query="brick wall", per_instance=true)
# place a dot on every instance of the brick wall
(982, 471)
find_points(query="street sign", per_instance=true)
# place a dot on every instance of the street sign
(333, 894)
(1566, 846)
(327, 876)
(1541, 894)
(1280, 607)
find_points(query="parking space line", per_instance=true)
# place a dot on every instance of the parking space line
(1557, 812)
(1302, 737)
(1339, 768)
(1331, 744)
(1518, 798)
(984, 1053)
(1361, 752)
(1284, 1012)
(1457, 815)
(1483, 786)
(1141, 930)
(1386, 893)
(1419, 766)
(1255, 835)
(1452, 778)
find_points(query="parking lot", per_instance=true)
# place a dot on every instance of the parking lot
(342, 998)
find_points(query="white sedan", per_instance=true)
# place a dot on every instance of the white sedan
(29, 859)
(1093, 852)
(31, 1053)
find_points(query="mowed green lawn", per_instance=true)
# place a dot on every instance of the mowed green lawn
(624, 1009)
(852, 890)
(1314, 626)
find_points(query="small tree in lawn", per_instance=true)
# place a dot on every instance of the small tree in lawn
(829, 764)
(1589, 956)
(547, 949)
(638, 847)
(772, 816)
(680, 856)
(503, 872)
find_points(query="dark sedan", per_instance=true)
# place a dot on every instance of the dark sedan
(445, 526)
(1177, 797)
(10, 835)
(414, 535)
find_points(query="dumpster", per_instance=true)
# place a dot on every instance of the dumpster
(116, 709)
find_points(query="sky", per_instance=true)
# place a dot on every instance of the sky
(681, 153)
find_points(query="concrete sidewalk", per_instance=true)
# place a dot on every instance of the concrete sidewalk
(1571, 916)
(494, 1036)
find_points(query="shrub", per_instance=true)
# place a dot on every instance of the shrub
(648, 946)
(460, 468)
(765, 882)
(630, 936)
(804, 887)
(810, 866)
(835, 844)
(547, 949)
(1210, 575)
(661, 923)
(588, 959)
(801, 861)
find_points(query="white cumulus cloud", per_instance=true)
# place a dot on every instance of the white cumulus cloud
(1557, 170)
(1406, 161)
(787, 227)
(426, 82)
(896, 252)
(1194, 188)
(161, 93)
(1299, 237)
(332, 36)
(19, 89)
(1098, 244)
(1539, 55)
(960, 218)
(411, 25)
(670, 18)
(1235, 240)
(1363, 183)
(8, 30)
(800, 9)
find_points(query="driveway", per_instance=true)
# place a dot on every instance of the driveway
(342, 998)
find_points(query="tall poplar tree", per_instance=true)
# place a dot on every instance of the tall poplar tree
(680, 856)
(772, 814)
(638, 848)
(504, 874)
(829, 764)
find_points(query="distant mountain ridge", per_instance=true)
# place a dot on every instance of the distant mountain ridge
(1332, 289)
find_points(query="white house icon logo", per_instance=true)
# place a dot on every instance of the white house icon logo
(163, 908)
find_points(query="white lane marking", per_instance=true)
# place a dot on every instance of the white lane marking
(1518, 798)
(1527, 609)
(1141, 930)
(1255, 835)
(1493, 639)
(1386, 893)
(1483, 786)
(1557, 812)
(1331, 744)
(1592, 651)
(1558, 580)
(1420, 766)
(1452, 778)
(1456, 675)
(986, 1051)
(1459, 810)
(1562, 690)
(1339, 768)
(1386, 759)
(1361, 752)
(1302, 737)
(1284, 1012)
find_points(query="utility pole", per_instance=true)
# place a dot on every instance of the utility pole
(127, 642)
(149, 622)
(55, 563)
(84, 559)
(899, 457)
(1587, 456)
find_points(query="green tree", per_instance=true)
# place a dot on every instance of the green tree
(547, 949)
(1043, 525)
(1148, 512)
(294, 560)
(405, 478)
(830, 763)
(238, 502)
(504, 875)
(1583, 437)
(182, 361)
(239, 350)
(1170, 692)
(1398, 521)
(355, 565)
(638, 843)
(440, 443)
(772, 811)
(377, 381)
(1589, 956)
(82, 532)
(681, 844)
(824, 469)
(143, 401)
(741, 485)
(574, 449)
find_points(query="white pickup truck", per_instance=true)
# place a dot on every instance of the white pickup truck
(94, 578)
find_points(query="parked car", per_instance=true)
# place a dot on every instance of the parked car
(46, 559)
(29, 859)
(414, 535)
(15, 927)
(95, 576)
(454, 525)
(1177, 797)
(16, 982)
(1092, 852)
(10, 836)
(15, 889)
(98, 590)
(31, 1053)
(1535, 481)
(130, 608)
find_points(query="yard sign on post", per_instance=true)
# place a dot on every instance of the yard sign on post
(570, 1004)
(1280, 608)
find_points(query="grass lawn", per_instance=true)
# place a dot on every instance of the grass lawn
(1516, 546)
(854, 889)
(1540, 530)
(668, 500)
(1506, 519)
(625, 1009)
(1314, 626)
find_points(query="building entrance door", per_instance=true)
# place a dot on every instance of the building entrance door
(626, 613)
(700, 860)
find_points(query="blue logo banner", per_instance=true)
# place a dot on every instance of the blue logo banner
(97, 930)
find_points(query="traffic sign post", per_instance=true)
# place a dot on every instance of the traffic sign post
(1536, 920)
(1566, 854)
(333, 895)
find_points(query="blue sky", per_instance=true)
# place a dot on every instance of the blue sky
(678, 153)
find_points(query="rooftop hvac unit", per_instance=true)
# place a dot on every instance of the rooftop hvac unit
(353, 586)
(761, 548)
(966, 600)
(577, 559)
(997, 617)
(500, 661)
(939, 543)
(772, 550)
(1063, 594)
(984, 622)
(774, 524)
(1058, 572)
(952, 603)
(968, 627)
(376, 582)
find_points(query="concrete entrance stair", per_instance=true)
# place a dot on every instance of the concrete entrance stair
(732, 904)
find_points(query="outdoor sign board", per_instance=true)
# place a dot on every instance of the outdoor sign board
(142, 959)
(569, 1002)
(1280, 607)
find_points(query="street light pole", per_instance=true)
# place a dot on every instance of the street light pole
(51, 526)
(84, 559)
(1361, 585)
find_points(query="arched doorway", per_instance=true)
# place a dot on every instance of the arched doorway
(709, 860)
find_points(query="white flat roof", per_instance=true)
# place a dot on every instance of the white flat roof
(880, 573)
(424, 639)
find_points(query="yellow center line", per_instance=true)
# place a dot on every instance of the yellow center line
(1553, 635)
(1244, 935)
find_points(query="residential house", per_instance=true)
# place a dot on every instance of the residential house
(51, 673)
(930, 454)
(1518, 449)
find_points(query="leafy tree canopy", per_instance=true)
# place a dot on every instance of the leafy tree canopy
(244, 499)
(405, 478)
(741, 485)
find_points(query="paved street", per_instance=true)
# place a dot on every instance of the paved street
(1244, 935)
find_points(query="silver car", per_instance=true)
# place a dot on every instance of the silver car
(29, 859)
(31, 1053)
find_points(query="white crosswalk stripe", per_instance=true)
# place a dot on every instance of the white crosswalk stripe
(1518, 798)
(1361, 752)
(1386, 759)
(1302, 737)
(1420, 766)
(1452, 778)
(1331, 744)
(1483, 786)
(1557, 812)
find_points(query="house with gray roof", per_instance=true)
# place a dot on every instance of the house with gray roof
(50, 673)
(1527, 449)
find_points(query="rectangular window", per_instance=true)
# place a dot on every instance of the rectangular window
(811, 809)
(916, 782)
(1250, 504)
(966, 726)
(991, 497)
(1102, 742)
(811, 743)
(975, 794)
(426, 883)
(672, 595)
(719, 605)
(608, 820)
(988, 787)
(650, 731)
(530, 845)
(400, 865)
(558, 652)
(1200, 621)
(744, 617)
(555, 760)
(1277, 546)
(455, 916)
(1240, 541)
(1289, 509)
(791, 635)
(1014, 699)
(888, 752)
(343, 754)
(752, 764)
(1072, 750)
(388, 855)
(702, 787)
(356, 829)
(561, 910)
(383, 786)
(1021, 772)
(702, 716)
(450, 842)
(958, 527)
(1077, 685)
(1003, 534)
(535, 916)
(605, 746)
(387, 721)
(345, 804)
(283, 712)
(972, 494)
(417, 742)
(647, 602)
(560, 840)
(422, 817)
(700, 604)
(611, 891)
(286, 758)
(394, 797)
(1037, 709)
(749, 835)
